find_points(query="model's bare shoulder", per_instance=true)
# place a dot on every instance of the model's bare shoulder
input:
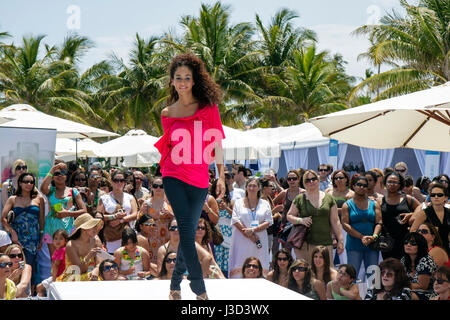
(166, 112)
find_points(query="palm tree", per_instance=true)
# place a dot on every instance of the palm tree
(313, 83)
(45, 83)
(277, 43)
(133, 98)
(417, 45)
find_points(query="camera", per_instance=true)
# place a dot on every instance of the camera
(219, 201)
(258, 244)
(21, 264)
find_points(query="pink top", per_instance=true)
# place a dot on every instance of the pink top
(187, 146)
(60, 254)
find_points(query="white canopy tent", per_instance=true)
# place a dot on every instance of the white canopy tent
(69, 149)
(25, 116)
(136, 147)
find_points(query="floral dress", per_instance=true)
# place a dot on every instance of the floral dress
(161, 236)
(222, 251)
(26, 224)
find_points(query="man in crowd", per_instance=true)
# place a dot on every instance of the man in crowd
(324, 172)
(240, 176)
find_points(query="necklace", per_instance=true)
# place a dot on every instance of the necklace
(125, 256)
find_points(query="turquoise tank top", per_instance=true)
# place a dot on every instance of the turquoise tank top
(362, 221)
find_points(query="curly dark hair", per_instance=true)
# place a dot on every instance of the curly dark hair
(205, 90)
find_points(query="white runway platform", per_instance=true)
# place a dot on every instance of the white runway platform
(223, 289)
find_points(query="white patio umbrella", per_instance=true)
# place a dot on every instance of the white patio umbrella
(79, 147)
(136, 147)
(419, 120)
(25, 116)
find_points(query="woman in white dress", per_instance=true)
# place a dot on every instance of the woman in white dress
(118, 210)
(250, 220)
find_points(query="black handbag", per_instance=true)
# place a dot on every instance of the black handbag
(384, 242)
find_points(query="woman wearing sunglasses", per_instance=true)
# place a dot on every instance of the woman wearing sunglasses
(441, 284)
(27, 227)
(252, 269)
(119, 211)
(146, 231)
(396, 210)
(437, 213)
(168, 265)
(109, 271)
(21, 271)
(419, 265)
(10, 185)
(435, 250)
(279, 274)
(394, 283)
(65, 203)
(8, 289)
(159, 209)
(301, 280)
(361, 219)
(316, 210)
(78, 179)
(171, 245)
(282, 202)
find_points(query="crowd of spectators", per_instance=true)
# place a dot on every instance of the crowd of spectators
(110, 225)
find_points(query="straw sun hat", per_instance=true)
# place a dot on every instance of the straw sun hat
(85, 221)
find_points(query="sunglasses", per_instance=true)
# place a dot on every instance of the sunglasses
(173, 228)
(251, 266)
(411, 242)
(440, 280)
(387, 274)
(400, 170)
(21, 168)
(138, 178)
(392, 182)
(292, 179)
(16, 255)
(171, 260)
(339, 178)
(6, 264)
(443, 181)
(299, 269)
(80, 179)
(439, 195)
(60, 173)
(362, 185)
(28, 181)
(108, 268)
(201, 228)
(94, 176)
(149, 224)
(323, 170)
(283, 259)
(156, 185)
(423, 231)
(118, 180)
(311, 180)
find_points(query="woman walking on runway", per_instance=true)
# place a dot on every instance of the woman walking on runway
(191, 141)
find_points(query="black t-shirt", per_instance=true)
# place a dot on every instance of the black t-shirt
(443, 228)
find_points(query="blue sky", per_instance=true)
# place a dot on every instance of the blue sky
(113, 24)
